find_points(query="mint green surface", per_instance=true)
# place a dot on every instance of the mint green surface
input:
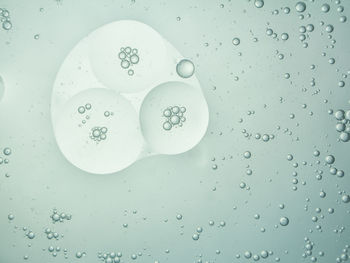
(155, 209)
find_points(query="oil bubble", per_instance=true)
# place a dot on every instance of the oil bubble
(325, 8)
(300, 7)
(330, 159)
(185, 68)
(284, 221)
(259, 3)
(236, 41)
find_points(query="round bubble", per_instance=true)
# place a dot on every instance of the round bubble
(259, 3)
(300, 7)
(330, 159)
(325, 8)
(236, 41)
(344, 136)
(119, 149)
(7, 25)
(284, 36)
(339, 114)
(284, 221)
(178, 139)
(185, 68)
(345, 198)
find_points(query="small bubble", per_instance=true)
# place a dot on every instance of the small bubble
(300, 7)
(284, 221)
(259, 3)
(284, 36)
(11, 217)
(195, 237)
(330, 159)
(325, 8)
(7, 151)
(345, 198)
(236, 41)
(185, 68)
(247, 154)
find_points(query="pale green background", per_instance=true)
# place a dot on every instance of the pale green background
(161, 187)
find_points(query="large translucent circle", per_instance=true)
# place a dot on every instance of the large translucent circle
(165, 132)
(98, 131)
(121, 46)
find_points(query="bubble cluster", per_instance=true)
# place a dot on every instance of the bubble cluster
(344, 256)
(6, 153)
(128, 57)
(111, 257)
(174, 117)
(84, 110)
(59, 217)
(343, 124)
(98, 133)
(263, 254)
(5, 19)
(50, 234)
(56, 250)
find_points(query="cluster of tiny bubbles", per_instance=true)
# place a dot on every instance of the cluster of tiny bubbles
(7, 152)
(185, 68)
(309, 245)
(236, 41)
(304, 33)
(98, 134)
(5, 19)
(111, 257)
(174, 117)
(59, 217)
(51, 234)
(264, 137)
(344, 256)
(259, 3)
(263, 254)
(83, 110)
(128, 57)
(55, 250)
(343, 124)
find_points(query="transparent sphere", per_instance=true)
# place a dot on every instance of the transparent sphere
(185, 68)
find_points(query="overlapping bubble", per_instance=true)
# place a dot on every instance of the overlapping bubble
(132, 96)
